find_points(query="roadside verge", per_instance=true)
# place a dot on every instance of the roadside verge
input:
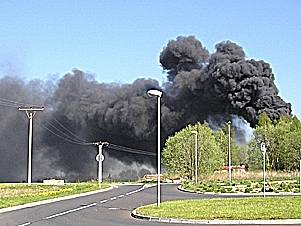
(47, 201)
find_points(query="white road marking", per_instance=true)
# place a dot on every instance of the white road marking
(28, 223)
(114, 208)
(135, 191)
(70, 211)
(85, 207)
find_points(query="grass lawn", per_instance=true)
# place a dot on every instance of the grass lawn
(230, 209)
(17, 194)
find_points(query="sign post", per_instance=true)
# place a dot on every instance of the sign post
(99, 158)
(100, 163)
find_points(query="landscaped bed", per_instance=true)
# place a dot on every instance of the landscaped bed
(245, 186)
(229, 209)
(17, 194)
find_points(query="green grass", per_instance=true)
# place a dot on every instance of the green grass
(230, 209)
(17, 194)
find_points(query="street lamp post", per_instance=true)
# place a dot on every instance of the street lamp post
(158, 94)
(229, 150)
(263, 149)
(300, 170)
(196, 155)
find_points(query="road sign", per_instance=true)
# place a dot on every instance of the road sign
(99, 158)
(263, 147)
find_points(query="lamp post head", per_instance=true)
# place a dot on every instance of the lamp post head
(229, 122)
(154, 92)
(194, 132)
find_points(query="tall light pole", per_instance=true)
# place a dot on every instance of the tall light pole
(229, 150)
(263, 149)
(196, 155)
(158, 94)
(300, 170)
(30, 112)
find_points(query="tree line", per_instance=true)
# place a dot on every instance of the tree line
(281, 137)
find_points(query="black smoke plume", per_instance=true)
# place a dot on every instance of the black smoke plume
(226, 83)
(80, 110)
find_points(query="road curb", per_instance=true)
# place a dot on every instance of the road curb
(43, 202)
(134, 214)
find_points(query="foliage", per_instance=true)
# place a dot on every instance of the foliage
(268, 208)
(244, 186)
(282, 138)
(179, 152)
(239, 154)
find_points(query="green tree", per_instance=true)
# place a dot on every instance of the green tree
(179, 153)
(282, 138)
(239, 154)
(255, 157)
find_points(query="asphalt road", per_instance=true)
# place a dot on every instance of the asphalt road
(110, 208)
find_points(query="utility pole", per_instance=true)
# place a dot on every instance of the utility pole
(99, 159)
(30, 112)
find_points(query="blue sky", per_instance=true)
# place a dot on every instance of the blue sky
(120, 41)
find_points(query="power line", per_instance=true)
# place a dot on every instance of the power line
(63, 133)
(79, 142)
(13, 102)
(73, 134)
(131, 150)
(74, 137)
(5, 104)
(64, 138)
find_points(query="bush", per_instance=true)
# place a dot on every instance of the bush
(248, 190)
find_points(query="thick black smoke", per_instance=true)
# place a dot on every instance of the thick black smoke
(183, 54)
(15, 92)
(227, 84)
(200, 86)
